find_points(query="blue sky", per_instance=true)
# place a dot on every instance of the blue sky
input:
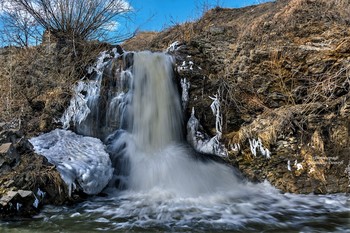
(155, 15)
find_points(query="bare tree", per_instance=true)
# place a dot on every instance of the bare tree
(75, 19)
(18, 27)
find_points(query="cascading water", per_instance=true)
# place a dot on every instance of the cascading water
(151, 146)
(156, 116)
(159, 183)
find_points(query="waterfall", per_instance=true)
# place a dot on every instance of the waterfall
(156, 119)
(132, 103)
(151, 153)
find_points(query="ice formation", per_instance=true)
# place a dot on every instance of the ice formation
(288, 166)
(201, 141)
(86, 92)
(298, 165)
(256, 145)
(81, 161)
(173, 46)
(215, 108)
(185, 86)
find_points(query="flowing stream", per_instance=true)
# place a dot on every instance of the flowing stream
(153, 181)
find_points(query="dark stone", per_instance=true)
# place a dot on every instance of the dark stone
(129, 60)
(37, 106)
(18, 204)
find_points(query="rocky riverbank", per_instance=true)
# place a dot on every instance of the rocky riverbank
(35, 87)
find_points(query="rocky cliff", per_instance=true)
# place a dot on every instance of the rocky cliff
(279, 73)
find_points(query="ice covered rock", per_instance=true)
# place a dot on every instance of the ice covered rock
(81, 161)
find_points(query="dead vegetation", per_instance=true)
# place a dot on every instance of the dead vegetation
(33, 173)
(36, 82)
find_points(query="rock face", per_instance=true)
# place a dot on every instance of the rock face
(281, 71)
(36, 82)
(27, 180)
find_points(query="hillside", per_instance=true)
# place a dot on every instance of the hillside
(282, 72)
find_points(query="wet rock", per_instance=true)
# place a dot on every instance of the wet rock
(18, 204)
(8, 157)
(24, 177)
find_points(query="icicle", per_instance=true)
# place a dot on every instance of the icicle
(18, 206)
(215, 107)
(257, 145)
(185, 85)
(288, 166)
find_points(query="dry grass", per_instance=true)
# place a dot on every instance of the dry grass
(37, 81)
(141, 41)
(34, 172)
(268, 126)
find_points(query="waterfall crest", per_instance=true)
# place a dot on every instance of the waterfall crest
(156, 115)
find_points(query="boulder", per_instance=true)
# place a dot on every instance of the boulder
(19, 204)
